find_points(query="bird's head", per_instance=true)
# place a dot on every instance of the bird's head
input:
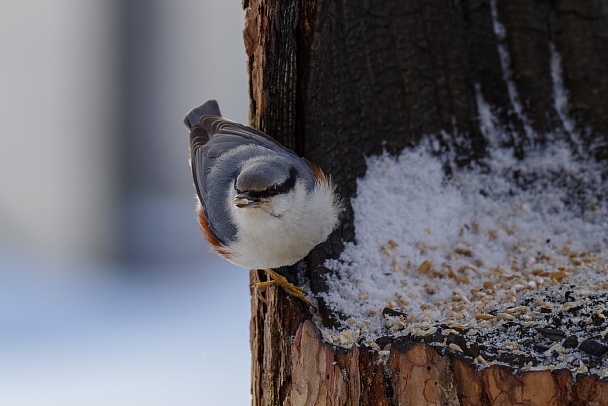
(266, 183)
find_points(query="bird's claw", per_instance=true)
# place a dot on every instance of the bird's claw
(288, 287)
(261, 287)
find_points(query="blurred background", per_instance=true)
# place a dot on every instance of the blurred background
(108, 292)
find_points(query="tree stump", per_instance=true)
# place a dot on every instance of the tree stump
(338, 81)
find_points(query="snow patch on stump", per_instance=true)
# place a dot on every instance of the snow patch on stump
(497, 245)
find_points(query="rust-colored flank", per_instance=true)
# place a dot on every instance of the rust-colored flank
(209, 236)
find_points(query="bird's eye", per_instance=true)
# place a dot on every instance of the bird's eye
(274, 189)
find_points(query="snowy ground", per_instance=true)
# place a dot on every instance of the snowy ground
(82, 337)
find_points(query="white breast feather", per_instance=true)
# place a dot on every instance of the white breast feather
(305, 220)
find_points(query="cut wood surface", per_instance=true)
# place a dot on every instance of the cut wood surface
(293, 366)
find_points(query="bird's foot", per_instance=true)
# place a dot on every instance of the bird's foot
(281, 281)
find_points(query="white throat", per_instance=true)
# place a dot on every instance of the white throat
(286, 230)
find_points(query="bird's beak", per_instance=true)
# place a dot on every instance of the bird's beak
(245, 199)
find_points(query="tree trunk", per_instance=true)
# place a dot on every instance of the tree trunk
(340, 80)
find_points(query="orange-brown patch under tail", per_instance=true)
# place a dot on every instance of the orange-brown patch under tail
(209, 236)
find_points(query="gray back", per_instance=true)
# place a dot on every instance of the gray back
(218, 148)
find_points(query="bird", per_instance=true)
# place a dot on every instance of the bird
(259, 205)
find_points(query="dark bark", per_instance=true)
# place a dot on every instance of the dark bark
(341, 80)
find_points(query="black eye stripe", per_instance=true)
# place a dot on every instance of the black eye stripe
(283, 188)
(289, 183)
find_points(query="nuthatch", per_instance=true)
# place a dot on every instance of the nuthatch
(260, 205)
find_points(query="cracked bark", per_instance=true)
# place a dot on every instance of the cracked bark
(339, 80)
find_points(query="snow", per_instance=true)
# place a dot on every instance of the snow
(501, 241)
(560, 98)
(480, 220)
(505, 62)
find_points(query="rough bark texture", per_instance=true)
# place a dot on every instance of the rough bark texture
(338, 80)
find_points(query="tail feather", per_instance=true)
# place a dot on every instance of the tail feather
(208, 108)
